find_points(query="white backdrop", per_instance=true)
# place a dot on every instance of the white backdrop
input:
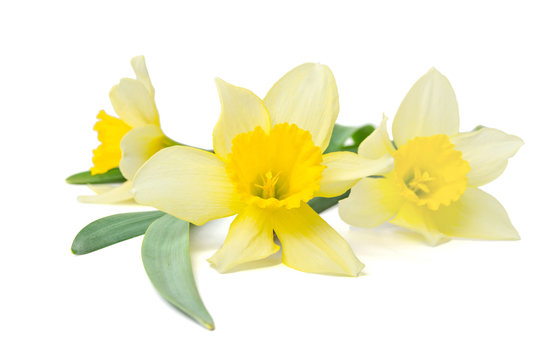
(462, 300)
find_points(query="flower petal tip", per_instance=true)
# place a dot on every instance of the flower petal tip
(208, 326)
(213, 264)
(222, 85)
(359, 272)
(356, 271)
(223, 267)
(435, 242)
(137, 59)
(513, 236)
(219, 81)
(432, 239)
(434, 71)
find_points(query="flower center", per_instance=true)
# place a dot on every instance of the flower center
(430, 171)
(110, 132)
(279, 169)
(268, 185)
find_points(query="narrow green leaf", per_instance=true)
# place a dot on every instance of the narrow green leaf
(350, 148)
(112, 229)
(111, 176)
(165, 253)
(320, 204)
(341, 134)
(362, 133)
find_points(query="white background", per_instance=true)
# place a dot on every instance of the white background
(461, 300)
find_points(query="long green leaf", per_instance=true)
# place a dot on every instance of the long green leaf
(111, 176)
(112, 229)
(165, 253)
(341, 134)
(320, 204)
(362, 133)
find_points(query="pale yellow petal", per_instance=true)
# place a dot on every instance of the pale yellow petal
(137, 146)
(306, 96)
(309, 244)
(377, 144)
(133, 103)
(113, 195)
(371, 202)
(476, 215)
(101, 188)
(140, 69)
(241, 111)
(345, 168)
(190, 184)
(250, 238)
(418, 219)
(487, 151)
(429, 108)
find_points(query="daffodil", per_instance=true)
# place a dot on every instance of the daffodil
(433, 188)
(129, 140)
(267, 163)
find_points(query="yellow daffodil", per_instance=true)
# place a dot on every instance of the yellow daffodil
(129, 140)
(267, 164)
(433, 188)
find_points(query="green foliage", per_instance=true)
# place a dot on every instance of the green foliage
(112, 229)
(111, 176)
(341, 134)
(167, 261)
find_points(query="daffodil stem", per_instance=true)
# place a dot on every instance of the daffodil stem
(320, 204)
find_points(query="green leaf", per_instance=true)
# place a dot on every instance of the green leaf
(341, 134)
(165, 253)
(362, 133)
(112, 229)
(320, 204)
(111, 176)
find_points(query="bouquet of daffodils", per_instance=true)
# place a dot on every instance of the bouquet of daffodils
(277, 163)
